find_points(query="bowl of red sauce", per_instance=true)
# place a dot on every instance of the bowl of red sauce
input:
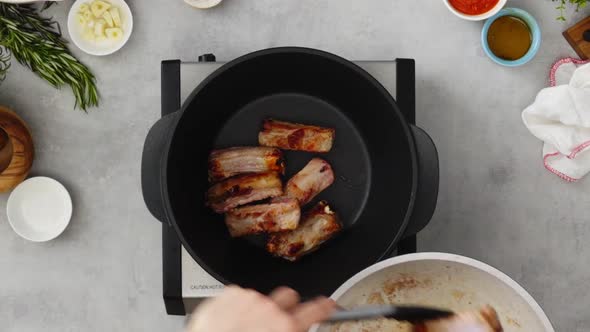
(475, 10)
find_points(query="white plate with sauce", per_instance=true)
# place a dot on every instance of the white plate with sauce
(440, 280)
(100, 47)
(39, 209)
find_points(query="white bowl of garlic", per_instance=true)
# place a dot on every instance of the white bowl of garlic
(100, 27)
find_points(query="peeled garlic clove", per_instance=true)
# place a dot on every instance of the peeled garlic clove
(116, 17)
(81, 19)
(88, 16)
(108, 18)
(99, 7)
(114, 33)
(84, 8)
(99, 26)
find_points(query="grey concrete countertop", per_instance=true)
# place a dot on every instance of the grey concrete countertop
(497, 203)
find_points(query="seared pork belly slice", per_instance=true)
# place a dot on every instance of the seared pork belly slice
(282, 214)
(295, 136)
(316, 176)
(316, 227)
(226, 163)
(243, 189)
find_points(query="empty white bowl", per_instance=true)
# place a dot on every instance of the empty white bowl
(203, 4)
(105, 47)
(39, 209)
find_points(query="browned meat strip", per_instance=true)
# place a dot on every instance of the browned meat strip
(243, 189)
(316, 176)
(316, 227)
(484, 320)
(233, 161)
(282, 214)
(295, 136)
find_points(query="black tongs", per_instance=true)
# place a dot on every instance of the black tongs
(412, 314)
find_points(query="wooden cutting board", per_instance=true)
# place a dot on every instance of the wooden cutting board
(23, 150)
(578, 37)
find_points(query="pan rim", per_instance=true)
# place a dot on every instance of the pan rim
(286, 50)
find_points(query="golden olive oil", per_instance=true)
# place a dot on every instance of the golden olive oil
(509, 38)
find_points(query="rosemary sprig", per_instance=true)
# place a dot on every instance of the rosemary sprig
(47, 4)
(36, 43)
(4, 64)
(562, 6)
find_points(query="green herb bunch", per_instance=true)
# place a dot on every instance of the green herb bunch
(36, 43)
(562, 6)
(4, 63)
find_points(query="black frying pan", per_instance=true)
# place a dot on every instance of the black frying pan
(384, 167)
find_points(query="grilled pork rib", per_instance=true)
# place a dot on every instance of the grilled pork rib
(243, 189)
(317, 226)
(226, 163)
(281, 214)
(316, 176)
(295, 136)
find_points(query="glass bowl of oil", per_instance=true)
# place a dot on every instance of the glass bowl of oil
(511, 38)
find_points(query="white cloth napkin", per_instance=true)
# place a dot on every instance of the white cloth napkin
(560, 117)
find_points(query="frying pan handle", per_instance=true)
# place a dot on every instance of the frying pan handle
(151, 165)
(428, 180)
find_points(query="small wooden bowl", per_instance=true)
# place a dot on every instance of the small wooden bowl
(6, 151)
(22, 147)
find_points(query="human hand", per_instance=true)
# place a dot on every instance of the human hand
(242, 310)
